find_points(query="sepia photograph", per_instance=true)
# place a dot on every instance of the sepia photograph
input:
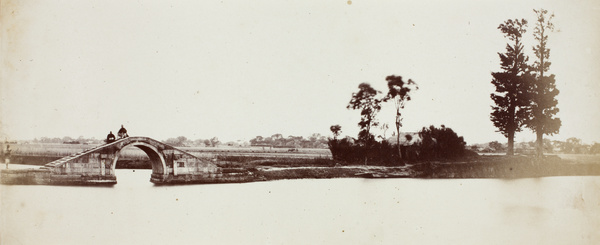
(299, 122)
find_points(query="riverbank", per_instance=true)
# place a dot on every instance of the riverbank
(435, 170)
(250, 169)
(474, 167)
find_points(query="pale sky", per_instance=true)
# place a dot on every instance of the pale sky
(238, 69)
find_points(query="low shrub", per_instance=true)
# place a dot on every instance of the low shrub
(376, 153)
(440, 144)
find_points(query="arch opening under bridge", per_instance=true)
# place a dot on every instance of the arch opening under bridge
(157, 160)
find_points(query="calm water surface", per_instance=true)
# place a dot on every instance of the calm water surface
(555, 210)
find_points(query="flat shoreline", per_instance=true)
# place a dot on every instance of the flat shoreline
(432, 171)
(500, 167)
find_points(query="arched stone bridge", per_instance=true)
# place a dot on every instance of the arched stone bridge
(97, 166)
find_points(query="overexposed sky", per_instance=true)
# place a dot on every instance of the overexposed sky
(236, 69)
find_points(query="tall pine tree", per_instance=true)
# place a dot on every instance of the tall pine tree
(511, 96)
(542, 118)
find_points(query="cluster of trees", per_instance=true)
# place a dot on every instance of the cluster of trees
(435, 143)
(525, 94)
(368, 102)
(277, 140)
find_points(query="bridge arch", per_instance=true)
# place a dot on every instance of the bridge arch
(157, 160)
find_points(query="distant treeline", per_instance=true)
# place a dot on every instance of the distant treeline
(68, 140)
(276, 140)
(570, 146)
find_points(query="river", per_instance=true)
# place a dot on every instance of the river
(552, 210)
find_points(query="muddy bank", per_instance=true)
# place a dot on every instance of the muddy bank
(506, 167)
(277, 173)
(477, 167)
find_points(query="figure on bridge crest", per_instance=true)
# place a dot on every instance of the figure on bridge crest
(122, 132)
(110, 138)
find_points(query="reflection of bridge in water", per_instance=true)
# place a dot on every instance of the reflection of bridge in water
(97, 166)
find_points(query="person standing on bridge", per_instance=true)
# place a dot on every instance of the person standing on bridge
(122, 132)
(110, 138)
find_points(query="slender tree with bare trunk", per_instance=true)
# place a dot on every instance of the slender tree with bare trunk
(542, 117)
(399, 91)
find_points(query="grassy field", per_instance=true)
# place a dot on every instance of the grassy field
(39, 154)
(68, 149)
